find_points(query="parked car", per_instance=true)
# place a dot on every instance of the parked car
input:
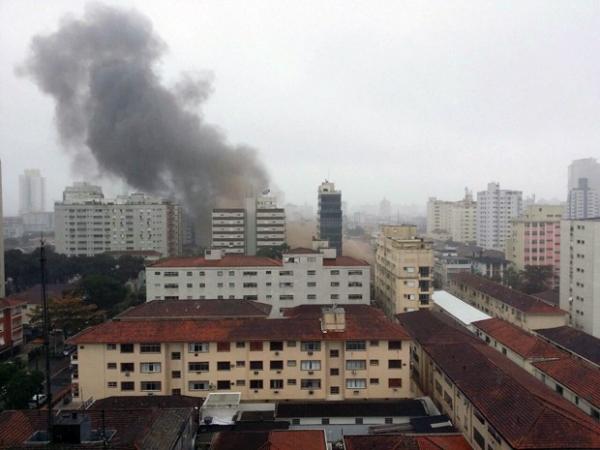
(69, 349)
(37, 400)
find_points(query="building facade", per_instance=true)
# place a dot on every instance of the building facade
(580, 273)
(403, 269)
(32, 192)
(11, 325)
(495, 209)
(329, 224)
(2, 275)
(302, 276)
(229, 230)
(453, 220)
(583, 199)
(314, 354)
(88, 224)
(535, 239)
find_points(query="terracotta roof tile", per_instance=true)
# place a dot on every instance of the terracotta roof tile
(407, 442)
(576, 341)
(225, 261)
(344, 261)
(512, 297)
(518, 340)
(270, 440)
(301, 251)
(198, 309)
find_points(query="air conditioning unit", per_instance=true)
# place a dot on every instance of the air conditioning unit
(310, 372)
(356, 392)
(395, 389)
(256, 372)
(279, 371)
(127, 374)
(275, 392)
(310, 353)
(276, 353)
(311, 392)
(256, 391)
(195, 354)
(354, 372)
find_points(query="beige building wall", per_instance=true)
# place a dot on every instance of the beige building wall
(403, 270)
(455, 220)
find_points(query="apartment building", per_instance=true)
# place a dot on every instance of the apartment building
(261, 224)
(491, 400)
(301, 276)
(572, 378)
(329, 224)
(495, 209)
(580, 273)
(32, 192)
(403, 269)
(455, 220)
(313, 353)
(11, 325)
(535, 239)
(88, 224)
(583, 200)
(497, 300)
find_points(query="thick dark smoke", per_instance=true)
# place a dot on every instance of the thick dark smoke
(110, 103)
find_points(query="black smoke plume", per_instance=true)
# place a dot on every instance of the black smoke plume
(111, 104)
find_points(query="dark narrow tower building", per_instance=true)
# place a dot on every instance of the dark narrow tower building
(330, 215)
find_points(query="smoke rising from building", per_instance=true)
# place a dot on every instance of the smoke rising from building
(111, 104)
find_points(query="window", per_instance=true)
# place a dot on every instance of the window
(111, 365)
(291, 343)
(256, 384)
(291, 382)
(291, 363)
(374, 362)
(389, 420)
(358, 420)
(310, 346)
(395, 382)
(127, 367)
(286, 273)
(394, 345)
(111, 346)
(223, 384)
(276, 346)
(149, 348)
(559, 389)
(334, 272)
(240, 382)
(198, 366)
(334, 296)
(374, 343)
(356, 383)
(240, 345)
(198, 385)
(311, 272)
(127, 386)
(256, 365)
(356, 345)
(395, 364)
(198, 347)
(286, 297)
(150, 367)
(126, 348)
(256, 346)
(171, 274)
(223, 365)
(310, 365)
(310, 383)
(249, 274)
(374, 381)
(112, 384)
(276, 384)
(477, 437)
(175, 355)
(223, 346)
(240, 364)
(356, 364)
(276, 365)
(175, 374)
(311, 297)
(150, 386)
(231, 273)
(335, 284)
(334, 353)
(334, 390)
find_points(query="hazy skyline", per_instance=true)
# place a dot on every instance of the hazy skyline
(387, 99)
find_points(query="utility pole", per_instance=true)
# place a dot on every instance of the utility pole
(46, 335)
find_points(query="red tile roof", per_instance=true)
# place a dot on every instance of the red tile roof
(225, 261)
(301, 251)
(270, 440)
(10, 302)
(358, 326)
(518, 340)
(317, 310)
(33, 295)
(575, 374)
(573, 340)
(407, 442)
(197, 309)
(344, 261)
(511, 297)
(518, 406)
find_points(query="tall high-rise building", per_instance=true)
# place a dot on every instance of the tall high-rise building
(452, 219)
(2, 280)
(32, 192)
(495, 209)
(330, 215)
(535, 239)
(580, 273)
(583, 200)
(403, 270)
(86, 223)
(261, 224)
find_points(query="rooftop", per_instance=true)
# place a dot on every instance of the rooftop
(145, 401)
(33, 295)
(457, 308)
(396, 408)
(516, 299)
(518, 340)
(270, 440)
(300, 327)
(575, 341)
(525, 412)
(198, 309)
(248, 261)
(407, 442)
(551, 296)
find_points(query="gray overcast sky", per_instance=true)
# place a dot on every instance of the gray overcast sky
(398, 99)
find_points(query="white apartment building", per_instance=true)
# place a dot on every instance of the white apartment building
(260, 224)
(32, 192)
(580, 273)
(583, 200)
(455, 220)
(88, 224)
(495, 209)
(303, 276)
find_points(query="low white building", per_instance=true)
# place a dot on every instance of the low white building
(303, 276)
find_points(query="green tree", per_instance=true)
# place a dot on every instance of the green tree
(69, 313)
(102, 290)
(536, 279)
(18, 385)
(513, 278)
(273, 252)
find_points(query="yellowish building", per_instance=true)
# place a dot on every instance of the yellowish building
(313, 353)
(403, 269)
